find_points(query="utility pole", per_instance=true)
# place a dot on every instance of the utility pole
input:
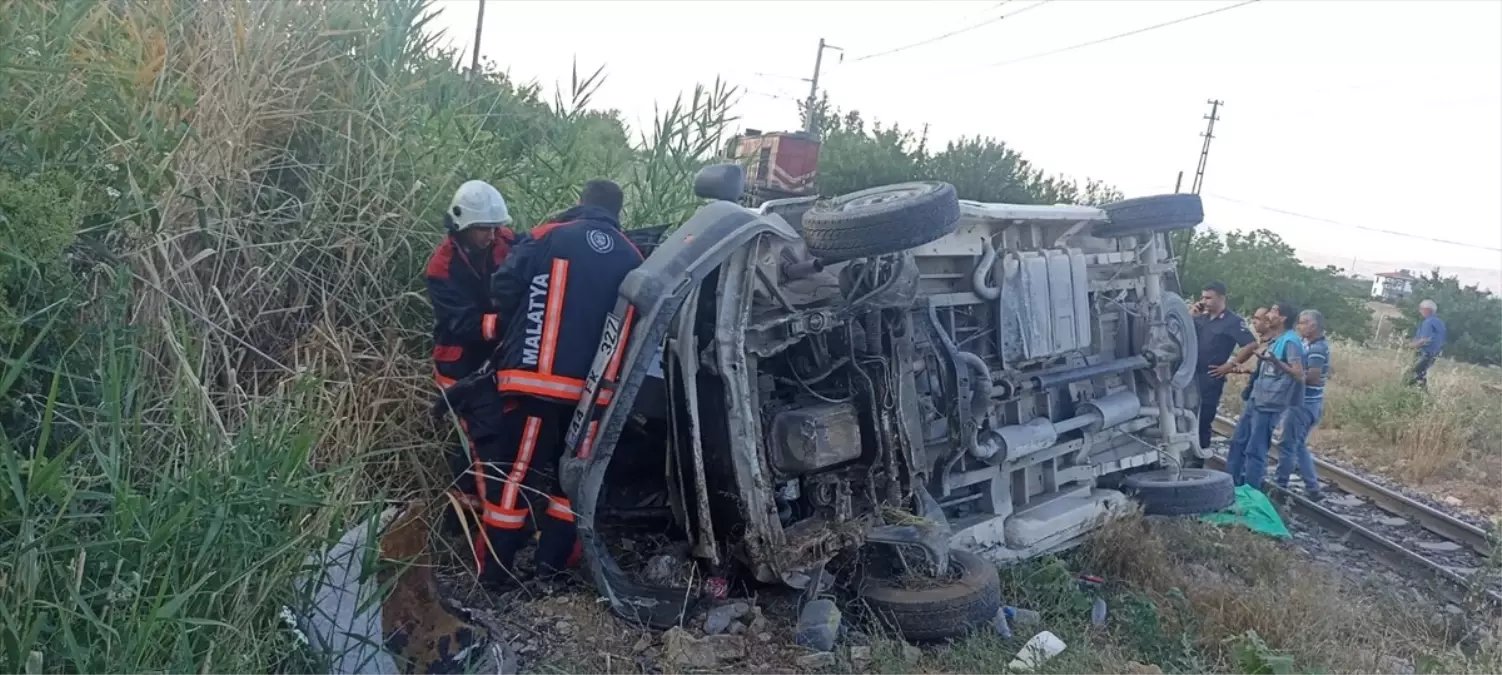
(813, 86)
(474, 62)
(1199, 174)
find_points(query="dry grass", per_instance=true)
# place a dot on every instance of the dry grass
(1446, 442)
(1213, 587)
(223, 361)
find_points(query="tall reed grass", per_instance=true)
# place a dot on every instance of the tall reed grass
(213, 222)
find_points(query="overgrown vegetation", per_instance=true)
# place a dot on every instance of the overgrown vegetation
(213, 222)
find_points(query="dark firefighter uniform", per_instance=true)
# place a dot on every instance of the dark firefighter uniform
(466, 327)
(553, 293)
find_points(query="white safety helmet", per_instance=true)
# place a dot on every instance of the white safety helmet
(478, 204)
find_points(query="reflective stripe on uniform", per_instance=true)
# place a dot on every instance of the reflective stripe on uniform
(539, 384)
(511, 494)
(505, 519)
(561, 508)
(488, 327)
(553, 315)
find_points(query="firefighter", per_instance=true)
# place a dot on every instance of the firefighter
(553, 293)
(466, 327)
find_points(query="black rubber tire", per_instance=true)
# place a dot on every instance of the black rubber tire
(903, 216)
(1197, 492)
(1147, 215)
(942, 613)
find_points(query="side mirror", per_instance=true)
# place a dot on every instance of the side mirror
(724, 182)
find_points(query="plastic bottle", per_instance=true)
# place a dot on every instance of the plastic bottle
(1000, 624)
(1023, 617)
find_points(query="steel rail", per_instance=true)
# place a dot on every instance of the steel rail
(1454, 587)
(1391, 501)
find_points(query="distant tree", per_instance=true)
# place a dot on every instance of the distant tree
(1472, 316)
(1259, 268)
(857, 155)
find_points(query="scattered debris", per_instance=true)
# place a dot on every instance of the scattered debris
(911, 654)
(818, 625)
(758, 621)
(999, 623)
(1348, 501)
(1134, 668)
(710, 651)
(1022, 617)
(1393, 521)
(1039, 648)
(721, 618)
(411, 628)
(661, 570)
(817, 661)
(1098, 613)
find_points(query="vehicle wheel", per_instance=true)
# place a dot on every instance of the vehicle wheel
(1148, 215)
(1195, 492)
(880, 220)
(1181, 328)
(942, 612)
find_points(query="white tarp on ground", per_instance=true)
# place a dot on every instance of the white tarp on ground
(358, 631)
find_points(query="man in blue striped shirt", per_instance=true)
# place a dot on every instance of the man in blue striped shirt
(1301, 419)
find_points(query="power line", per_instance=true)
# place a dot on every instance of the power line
(1359, 227)
(1118, 36)
(952, 33)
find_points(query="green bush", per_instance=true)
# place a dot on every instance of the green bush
(1258, 269)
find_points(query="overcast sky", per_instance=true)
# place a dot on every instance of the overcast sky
(1385, 114)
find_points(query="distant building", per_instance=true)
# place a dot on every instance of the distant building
(1393, 286)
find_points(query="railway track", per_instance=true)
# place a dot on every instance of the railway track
(1412, 537)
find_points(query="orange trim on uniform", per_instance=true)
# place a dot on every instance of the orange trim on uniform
(542, 230)
(443, 256)
(561, 509)
(503, 518)
(488, 326)
(447, 353)
(604, 397)
(553, 315)
(538, 384)
(620, 346)
(588, 445)
(444, 382)
(511, 494)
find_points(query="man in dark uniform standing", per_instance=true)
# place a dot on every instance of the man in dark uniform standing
(1220, 331)
(553, 293)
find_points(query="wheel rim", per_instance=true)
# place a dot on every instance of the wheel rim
(884, 196)
(1168, 477)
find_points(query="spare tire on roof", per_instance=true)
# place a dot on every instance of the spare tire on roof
(881, 220)
(1150, 215)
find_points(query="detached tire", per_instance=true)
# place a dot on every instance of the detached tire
(1149, 215)
(933, 614)
(880, 220)
(1196, 492)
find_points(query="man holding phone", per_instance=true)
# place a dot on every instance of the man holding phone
(1279, 386)
(1220, 332)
